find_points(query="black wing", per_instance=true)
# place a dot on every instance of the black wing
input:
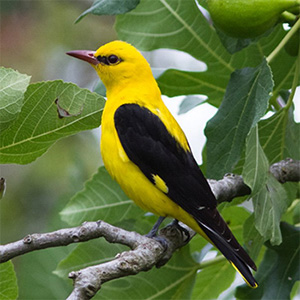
(150, 146)
(155, 151)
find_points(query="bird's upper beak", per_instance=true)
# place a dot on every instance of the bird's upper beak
(85, 55)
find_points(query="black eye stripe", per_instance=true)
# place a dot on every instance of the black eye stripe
(102, 59)
(110, 60)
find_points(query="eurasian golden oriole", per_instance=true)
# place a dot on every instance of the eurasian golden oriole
(146, 152)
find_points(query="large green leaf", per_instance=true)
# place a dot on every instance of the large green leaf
(279, 269)
(213, 280)
(245, 102)
(51, 110)
(12, 88)
(8, 282)
(268, 195)
(178, 24)
(269, 205)
(101, 199)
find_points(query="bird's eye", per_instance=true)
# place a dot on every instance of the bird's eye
(113, 59)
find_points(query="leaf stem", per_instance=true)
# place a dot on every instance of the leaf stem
(288, 16)
(283, 41)
(211, 262)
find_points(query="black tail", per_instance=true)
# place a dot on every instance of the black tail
(237, 256)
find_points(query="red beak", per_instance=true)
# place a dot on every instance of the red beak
(85, 55)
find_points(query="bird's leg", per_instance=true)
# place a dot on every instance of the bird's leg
(181, 229)
(152, 233)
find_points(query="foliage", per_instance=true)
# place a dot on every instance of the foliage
(8, 281)
(243, 85)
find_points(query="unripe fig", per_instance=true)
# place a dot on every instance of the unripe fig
(247, 18)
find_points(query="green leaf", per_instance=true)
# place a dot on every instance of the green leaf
(88, 254)
(272, 135)
(245, 102)
(268, 196)
(180, 25)
(189, 103)
(279, 136)
(283, 68)
(174, 83)
(233, 44)
(12, 88)
(8, 282)
(269, 205)
(256, 167)
(213, 280)
(101, 199)
(292, 142)
(35, 269)
(172, 24)
(109, 7)
(279, 269)
(253, 240)
(51, 110)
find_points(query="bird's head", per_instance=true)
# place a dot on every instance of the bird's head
(116, 63)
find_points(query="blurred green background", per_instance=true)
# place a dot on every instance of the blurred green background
(34, 38)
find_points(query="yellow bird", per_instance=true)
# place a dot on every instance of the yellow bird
(146, 152)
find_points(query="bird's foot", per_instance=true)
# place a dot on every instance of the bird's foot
(184, 232)
(162, 241)
(153, 234)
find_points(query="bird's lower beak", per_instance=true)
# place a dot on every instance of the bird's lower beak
(85, 55)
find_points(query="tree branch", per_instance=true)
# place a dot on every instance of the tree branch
(145, 253)
(286, 170)
(229, 187)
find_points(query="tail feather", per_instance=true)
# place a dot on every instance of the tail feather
(214, 223)
(231, 254)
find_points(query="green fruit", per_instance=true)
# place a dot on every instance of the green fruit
(247, 18)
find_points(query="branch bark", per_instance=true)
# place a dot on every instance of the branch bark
(145, 253)
(286, 170)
